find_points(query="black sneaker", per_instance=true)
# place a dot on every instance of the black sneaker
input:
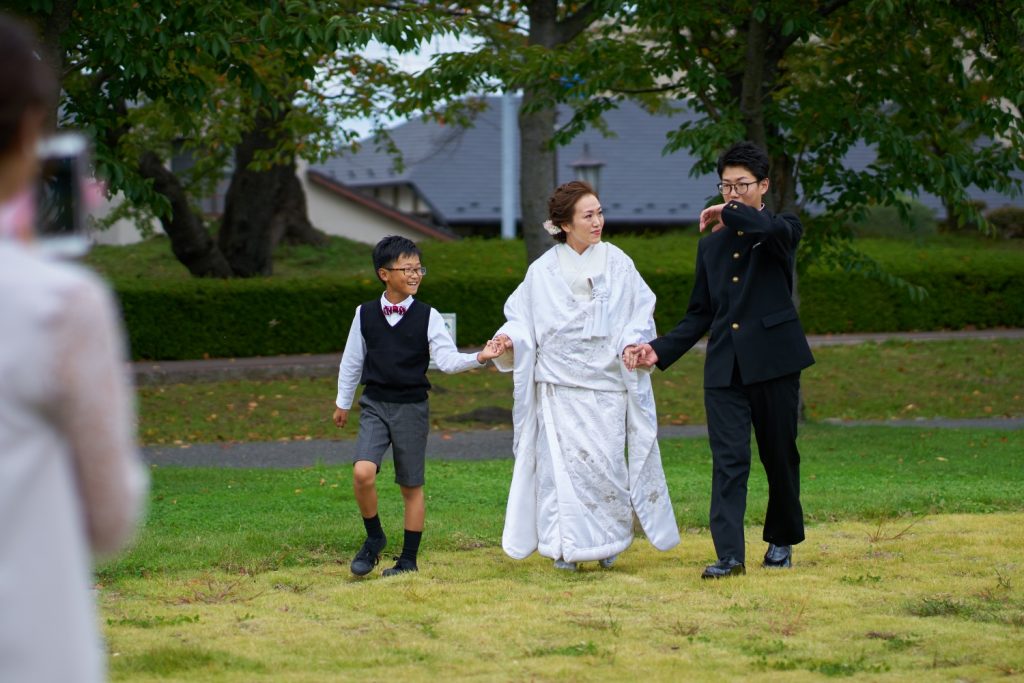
(368, 556)
(401, 566)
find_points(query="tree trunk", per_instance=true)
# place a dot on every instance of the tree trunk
(190, 241)
(290, 223)
(56, 23)
(752, 86)
(262, 208)
(537, 158)
(246, 233)
(782, 189)
(537, 176)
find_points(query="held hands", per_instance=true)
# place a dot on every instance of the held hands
(340, 417)
(492, 349)
(639, 356)
(712, 217)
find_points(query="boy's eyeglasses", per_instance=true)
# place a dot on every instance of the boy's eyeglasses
(739, 188)
(410, 271)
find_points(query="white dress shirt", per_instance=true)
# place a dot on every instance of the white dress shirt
(442, 350)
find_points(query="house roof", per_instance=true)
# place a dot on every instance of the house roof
(457, 170)
(332, 185)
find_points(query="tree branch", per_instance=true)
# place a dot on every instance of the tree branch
(783, 43)
(829, 7)
(644, 91)
(574, 24)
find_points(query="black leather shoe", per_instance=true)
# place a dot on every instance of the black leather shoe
(401, 566)
(368, 556)
(778, 557)
(723, 568)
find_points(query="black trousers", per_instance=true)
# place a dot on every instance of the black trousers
(772, 408)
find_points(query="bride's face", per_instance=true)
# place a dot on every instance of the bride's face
(587, 224)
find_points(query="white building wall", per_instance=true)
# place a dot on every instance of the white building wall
(339, 216)
(327, 211)
(123, 231)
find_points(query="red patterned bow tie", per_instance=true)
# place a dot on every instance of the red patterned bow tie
(400, 310)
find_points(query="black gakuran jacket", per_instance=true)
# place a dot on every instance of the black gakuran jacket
(743, 295)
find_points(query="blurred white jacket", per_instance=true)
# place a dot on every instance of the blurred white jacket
(71, 480)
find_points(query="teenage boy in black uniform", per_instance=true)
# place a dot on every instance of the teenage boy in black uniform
(743, 295)
(388, 350)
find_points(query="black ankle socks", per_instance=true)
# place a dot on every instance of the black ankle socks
(412, 545)
(373, 527)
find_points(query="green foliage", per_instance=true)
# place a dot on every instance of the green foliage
(308, 308)
(925, 85)
(837, 302)
(1007, 221)
(915, 221)
(165, 78)
(194, 319)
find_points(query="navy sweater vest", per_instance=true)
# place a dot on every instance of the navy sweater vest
(395, 365)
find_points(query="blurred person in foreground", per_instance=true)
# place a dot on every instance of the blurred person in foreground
(71, 481)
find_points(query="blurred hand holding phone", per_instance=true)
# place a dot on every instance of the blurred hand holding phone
(65, 196)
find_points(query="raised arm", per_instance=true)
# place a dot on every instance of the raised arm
(780, 233)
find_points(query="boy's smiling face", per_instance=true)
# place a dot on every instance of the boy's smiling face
(401, 278)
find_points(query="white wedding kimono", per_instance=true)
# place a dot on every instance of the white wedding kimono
(578, 410)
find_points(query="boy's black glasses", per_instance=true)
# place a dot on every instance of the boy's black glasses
(408, 272)
(739, 188)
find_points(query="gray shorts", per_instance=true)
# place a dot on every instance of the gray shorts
(404, 427)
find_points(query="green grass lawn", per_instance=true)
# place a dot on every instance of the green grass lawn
(956, 379)
(253, 520)
(913, 568)
(242, 575)
(940, 602)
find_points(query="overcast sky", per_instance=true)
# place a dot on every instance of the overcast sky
(411, 61)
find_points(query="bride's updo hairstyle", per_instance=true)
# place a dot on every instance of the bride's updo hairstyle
(562, 205)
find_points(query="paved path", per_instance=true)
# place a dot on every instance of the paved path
(466, 445)
(490, 444)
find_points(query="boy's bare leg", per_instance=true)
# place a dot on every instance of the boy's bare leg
(364, 486)
(415, 508)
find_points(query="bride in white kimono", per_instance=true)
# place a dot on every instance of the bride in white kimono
(577, 409)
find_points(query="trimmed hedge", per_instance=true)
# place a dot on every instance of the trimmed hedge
(173, 320)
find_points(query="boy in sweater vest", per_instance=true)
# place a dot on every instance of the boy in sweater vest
(389, 347)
